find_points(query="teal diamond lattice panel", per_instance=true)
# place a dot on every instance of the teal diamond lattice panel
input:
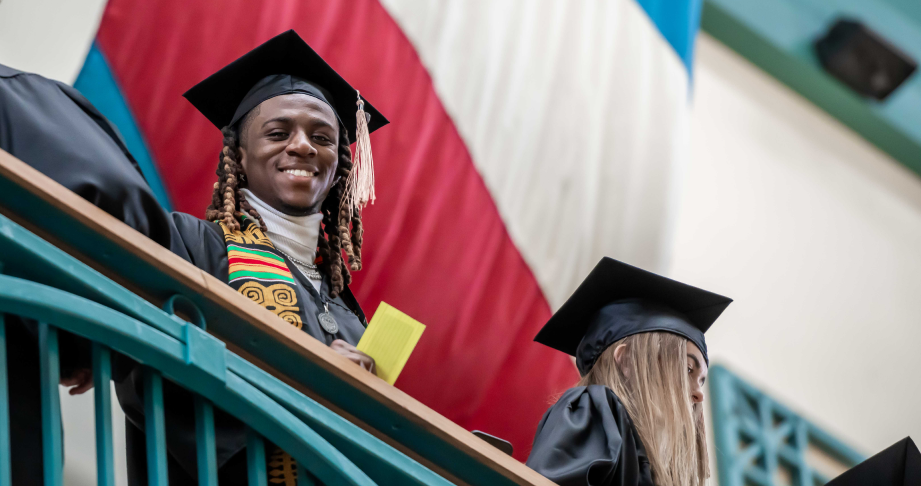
(760, 442)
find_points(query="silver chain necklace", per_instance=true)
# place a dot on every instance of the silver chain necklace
(327, 321)
(311, 272)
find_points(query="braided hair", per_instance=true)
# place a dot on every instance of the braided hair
(342, 228)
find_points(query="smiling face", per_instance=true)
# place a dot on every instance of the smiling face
(289, 152)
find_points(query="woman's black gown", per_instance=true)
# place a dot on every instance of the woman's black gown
(587, 439)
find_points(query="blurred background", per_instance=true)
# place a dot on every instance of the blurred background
(768, 151)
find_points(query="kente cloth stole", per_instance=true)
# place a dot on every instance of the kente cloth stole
(258, 271)
(282, 468)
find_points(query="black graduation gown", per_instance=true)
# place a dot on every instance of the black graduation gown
(896, 465)
(202, 244)
(587, 439)
(53, 128)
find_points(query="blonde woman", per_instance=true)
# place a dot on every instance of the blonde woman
(635, 417)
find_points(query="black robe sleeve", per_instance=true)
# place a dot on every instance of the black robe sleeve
(54, 129)
(587, 439)
(200, 243)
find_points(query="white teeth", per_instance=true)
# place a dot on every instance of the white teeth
(299, 172)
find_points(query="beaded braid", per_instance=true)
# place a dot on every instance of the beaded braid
(337, 221)
(358, 232)
(350, 237)
(339, 275)
(225, 198)
(227, 203)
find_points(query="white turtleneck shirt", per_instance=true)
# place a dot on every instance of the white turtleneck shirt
(295, 236)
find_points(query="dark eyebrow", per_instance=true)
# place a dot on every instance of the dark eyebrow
(696, 361)
(282, 119)
(285, 119)
(324, 124)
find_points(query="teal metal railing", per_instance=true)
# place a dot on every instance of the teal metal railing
(758, 440)
(43, 283)
(356, 401)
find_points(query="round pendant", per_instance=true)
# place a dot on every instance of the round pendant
(328, 323)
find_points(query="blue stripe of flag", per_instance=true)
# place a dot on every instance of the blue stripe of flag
(678, 21)
(97, 84)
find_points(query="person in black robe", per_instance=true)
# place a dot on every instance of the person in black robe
(287, 119)
(637, 337)
(53, 128)
(897, 465)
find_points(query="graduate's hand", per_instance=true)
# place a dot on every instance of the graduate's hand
(81, 381)
(353, 354)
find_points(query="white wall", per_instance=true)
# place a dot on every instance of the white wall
(77, 413)
(817, 235)
(48, 37)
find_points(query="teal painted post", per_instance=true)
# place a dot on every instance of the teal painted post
(205, 443)
(155, 428)
(724, 427)
(768, 438)
(255, 459)
(304, 478)
(804, 475)
(5, 473)
(105, 450)
(50, 366)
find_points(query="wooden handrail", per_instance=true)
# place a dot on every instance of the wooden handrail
(137, 262)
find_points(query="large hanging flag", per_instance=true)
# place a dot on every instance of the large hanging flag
(528, 138)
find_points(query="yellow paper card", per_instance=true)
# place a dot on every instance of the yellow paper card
(390, 338)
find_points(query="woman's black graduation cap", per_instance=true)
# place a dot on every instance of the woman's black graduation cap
(617, 300)
(282, 65)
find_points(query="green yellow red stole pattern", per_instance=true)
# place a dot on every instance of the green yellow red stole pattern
(282, 468)
(257, 270)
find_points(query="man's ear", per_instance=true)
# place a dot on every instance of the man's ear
(241, 157)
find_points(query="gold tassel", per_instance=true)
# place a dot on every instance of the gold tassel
(359, 187)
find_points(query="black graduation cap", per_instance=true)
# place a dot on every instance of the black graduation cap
(899, 465)
(284, 64)
(617, 300)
